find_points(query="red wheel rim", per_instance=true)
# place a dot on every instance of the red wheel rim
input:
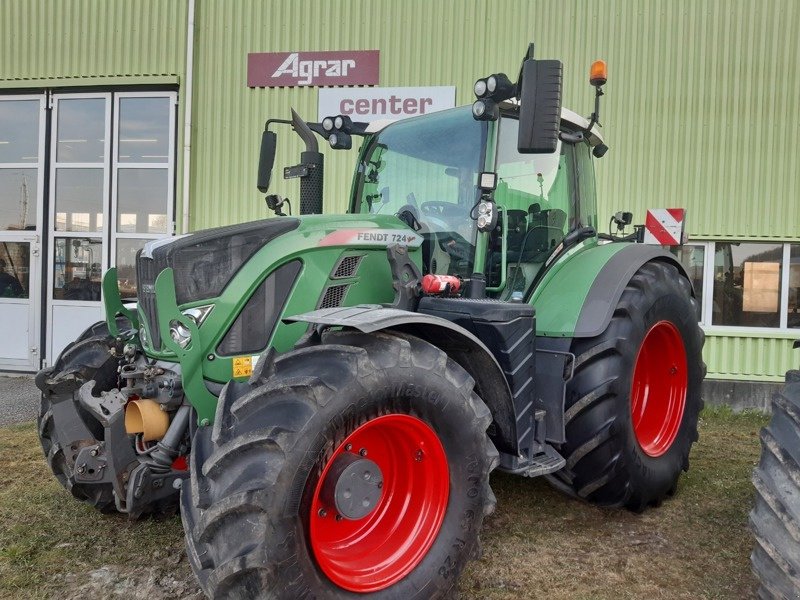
(658, 393)
(376, 551)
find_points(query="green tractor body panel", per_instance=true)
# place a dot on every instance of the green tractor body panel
(316, 246)
(563, 290)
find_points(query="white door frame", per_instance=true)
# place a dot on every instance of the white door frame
(34, 239)
(51, 233)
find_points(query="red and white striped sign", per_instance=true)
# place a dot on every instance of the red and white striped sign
(664, 226)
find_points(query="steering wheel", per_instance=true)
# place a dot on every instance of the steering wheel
(409, 215)
(439, 208)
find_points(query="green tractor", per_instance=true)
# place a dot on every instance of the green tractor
(325, 396)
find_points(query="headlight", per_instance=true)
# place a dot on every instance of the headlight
(327, 123)
(198, 314)
(179, 334)
(480, 88)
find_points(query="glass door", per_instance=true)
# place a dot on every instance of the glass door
(79, 189)
(22, 130)
(112, 190)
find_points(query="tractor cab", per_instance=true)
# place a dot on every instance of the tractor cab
(427, 171)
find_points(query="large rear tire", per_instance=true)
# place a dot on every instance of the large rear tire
(87, 358)
(775, 519)
(632, 405)
(258, 515)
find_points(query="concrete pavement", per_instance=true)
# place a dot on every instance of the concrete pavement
(19, 399)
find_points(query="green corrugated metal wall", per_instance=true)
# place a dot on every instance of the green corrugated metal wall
(90, 40)
(699, 108)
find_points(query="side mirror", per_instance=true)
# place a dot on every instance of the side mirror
(266, 159)
(540, 106)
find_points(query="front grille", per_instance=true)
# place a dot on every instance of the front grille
(146, 273)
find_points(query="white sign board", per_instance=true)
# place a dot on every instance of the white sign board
(377, 103)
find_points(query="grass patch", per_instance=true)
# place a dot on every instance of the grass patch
(537, 544)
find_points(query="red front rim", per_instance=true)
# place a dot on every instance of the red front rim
(658, 393)
(376, 551)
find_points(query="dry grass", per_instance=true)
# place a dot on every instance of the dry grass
(538, 544)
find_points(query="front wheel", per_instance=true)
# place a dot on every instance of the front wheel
(360, 466)
(632, 406)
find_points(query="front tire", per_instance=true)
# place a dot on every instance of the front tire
(775, 519)
(89, 358)
(258, 515)
(632, 406)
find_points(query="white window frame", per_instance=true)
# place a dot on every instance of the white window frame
(168, 166)
(783, 330)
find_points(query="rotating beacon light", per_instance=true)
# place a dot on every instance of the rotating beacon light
(489, 91)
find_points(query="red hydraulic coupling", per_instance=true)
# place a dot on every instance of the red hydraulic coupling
(440, 284)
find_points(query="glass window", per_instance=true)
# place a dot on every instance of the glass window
(143, 130)
(426, 170)
(693, 260)
(126, 264)
(77, 269)
(79, 200)
(19, 131)
(18, 198)
(142, 200)
(15, 263)
(747, 284)
(588, 194)
(793, 307)
(81, 130)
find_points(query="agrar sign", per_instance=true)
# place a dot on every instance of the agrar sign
(292, 69)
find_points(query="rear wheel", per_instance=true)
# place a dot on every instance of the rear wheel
(775, 519)
(632, 406)
(360, 466)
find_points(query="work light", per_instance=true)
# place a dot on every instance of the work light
(340, 140)
(480, 88)
(327, 124)
(485, 109)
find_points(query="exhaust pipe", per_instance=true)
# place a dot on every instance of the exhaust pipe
(311, 184)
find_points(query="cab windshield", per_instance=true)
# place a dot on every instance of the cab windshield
(425, 171)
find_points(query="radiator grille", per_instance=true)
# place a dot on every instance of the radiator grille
(146, 273)
(347, 267)
(334, 296)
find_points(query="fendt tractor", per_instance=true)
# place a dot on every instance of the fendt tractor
(325, 397)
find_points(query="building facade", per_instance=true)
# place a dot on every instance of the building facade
(127, 120)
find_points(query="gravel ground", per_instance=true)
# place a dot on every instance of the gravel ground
(19, 399)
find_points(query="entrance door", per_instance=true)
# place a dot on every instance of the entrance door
(22, 131)
(111, 190)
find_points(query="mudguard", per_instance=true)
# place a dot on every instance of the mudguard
(459, 344)
(578, 297)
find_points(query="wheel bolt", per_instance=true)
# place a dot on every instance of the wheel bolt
(339, 518)
(322, 513)
(363, 452)
(418, 456)
(348, 447)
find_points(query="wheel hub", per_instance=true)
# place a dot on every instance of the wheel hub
(354, 485)
(659, 388)
(379, 503)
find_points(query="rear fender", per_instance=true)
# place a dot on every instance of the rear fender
(577, 298)
(458, 343)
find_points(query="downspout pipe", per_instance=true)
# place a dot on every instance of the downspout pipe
(187, 116)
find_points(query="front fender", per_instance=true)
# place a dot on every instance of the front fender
(458, 343)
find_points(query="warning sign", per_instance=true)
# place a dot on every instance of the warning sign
(665, 226)
(242, 366)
